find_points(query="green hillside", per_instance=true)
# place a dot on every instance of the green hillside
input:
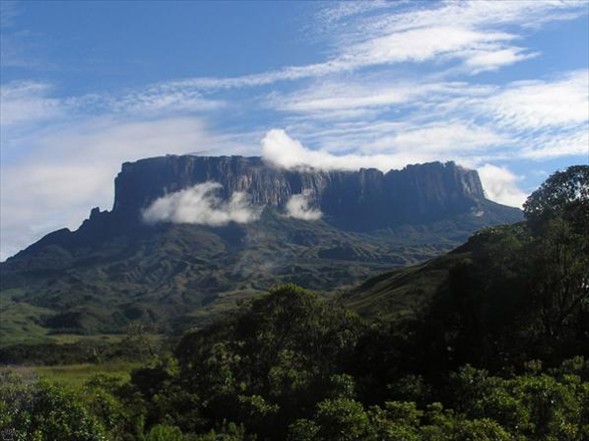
(174, 276)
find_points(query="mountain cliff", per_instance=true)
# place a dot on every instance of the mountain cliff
(187, 236)
(368, 196)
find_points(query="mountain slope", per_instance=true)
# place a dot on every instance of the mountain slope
(117, 268)
(402, 292)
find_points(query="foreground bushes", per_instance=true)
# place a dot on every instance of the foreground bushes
(292, 366)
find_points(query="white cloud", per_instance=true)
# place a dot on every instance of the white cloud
(473, 34)
(200, 205)
(429, 121)
(542, 104)
(574, 143)
(38, 198)
(332, 96)
(299, 207)
(158, 99)
(387, 146)
(492, 59)
(452, 137)
(500, 185)
(379, 34)
(423, 44)
(523, 105)
(336, 12)
(27, 102)
(415, 45)
(480, 13)
(279, 149)
(114, 141)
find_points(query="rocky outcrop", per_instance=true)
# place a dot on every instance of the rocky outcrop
(367, 198)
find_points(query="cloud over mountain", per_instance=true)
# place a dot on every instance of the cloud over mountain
(200, 205)
(281, 150)
(501, 185)
(299, 207)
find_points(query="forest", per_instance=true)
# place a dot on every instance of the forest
(501, 352)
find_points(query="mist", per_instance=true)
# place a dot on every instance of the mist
(298, 207)
(201, 205)
(280, 150)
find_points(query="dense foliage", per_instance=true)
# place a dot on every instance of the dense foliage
(500, 353)
(564, 194)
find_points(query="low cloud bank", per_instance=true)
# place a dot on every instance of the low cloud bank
(279, 149)
(501, 185)
(298, 207)
(200, 205)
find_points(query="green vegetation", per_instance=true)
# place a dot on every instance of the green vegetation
(175, 276)
(21, 322)
(75, 375)
(293, 366)
(489, 343)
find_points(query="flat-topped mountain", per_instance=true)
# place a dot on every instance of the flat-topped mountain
(367, 198)
(188, 235)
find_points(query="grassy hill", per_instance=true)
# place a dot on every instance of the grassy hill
(175, 276)
(402, 292)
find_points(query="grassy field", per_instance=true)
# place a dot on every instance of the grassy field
(74, 338)
(74, 375)
(21, 322)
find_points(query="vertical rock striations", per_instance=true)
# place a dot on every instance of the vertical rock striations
(355, 199)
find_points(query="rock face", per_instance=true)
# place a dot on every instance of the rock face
(356, 200)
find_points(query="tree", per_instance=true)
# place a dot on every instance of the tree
(271, 363)
(564, 194)
(341, 419)
(163, 432)
(558, 277)
(397, 421)
(558, 260)
(42, 411)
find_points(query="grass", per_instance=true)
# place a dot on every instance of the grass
(21, 323)
(75, 375)
(224, 304)
(64, 339)
(401, 292)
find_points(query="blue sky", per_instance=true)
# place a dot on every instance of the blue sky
(498, 86)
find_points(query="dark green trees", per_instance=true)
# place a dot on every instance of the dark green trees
(558, 258)
(271, 363)
(564, 194)
(522, 291)
(40, 411)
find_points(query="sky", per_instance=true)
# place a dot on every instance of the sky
(497, 86)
